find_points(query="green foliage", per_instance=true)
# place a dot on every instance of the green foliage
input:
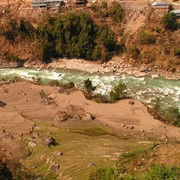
(155, 172)
(10, 31)
(16, 29)
(104, 5)
(106, 37)
(170, 115)
(116, 13)
(12, 170)
(103, 174)
(69, 85)
(146, 38)
(88, 85)
(177, 51)
(170, 21)
(11, 57)
(5, 173)
(117, 93)
(134, 52)
(149, 56)
(74, 36)
(25, 28)
(69, 35)
(161, 172)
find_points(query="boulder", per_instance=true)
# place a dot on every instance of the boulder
(55, 167)
(49, 141)
(131, 102)
(61, 116)
(144, 69)
(52, 96)
(31, 145)
(155, 76)
(87, 117)
(2, 104)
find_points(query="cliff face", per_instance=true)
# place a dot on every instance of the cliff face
(140, 31)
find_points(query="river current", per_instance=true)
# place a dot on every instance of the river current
(146, 89)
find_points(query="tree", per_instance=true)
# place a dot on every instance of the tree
(118, 92)
(170, 21)
(88, 85)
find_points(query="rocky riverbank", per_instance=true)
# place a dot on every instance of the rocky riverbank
(116, 65)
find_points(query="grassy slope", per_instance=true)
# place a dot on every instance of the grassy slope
(84, 149)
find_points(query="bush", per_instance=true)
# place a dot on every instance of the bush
(146, 38)
(10, 32)
(116, 13)
(177, 51)
(25, 28)
(5, 173)
(88, 85)
(172, 115)
(69, 85)
(161, 172)
(134, 52)
(170, 21)
(11, 57)
(103, 174)
(117, 93)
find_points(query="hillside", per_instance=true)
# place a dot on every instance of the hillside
(158, 50)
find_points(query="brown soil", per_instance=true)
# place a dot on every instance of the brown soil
(25, 108)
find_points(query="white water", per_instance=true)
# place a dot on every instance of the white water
(145, 89)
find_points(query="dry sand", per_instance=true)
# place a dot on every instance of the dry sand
(24, 108)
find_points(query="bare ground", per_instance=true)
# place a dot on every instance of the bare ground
(25, 108)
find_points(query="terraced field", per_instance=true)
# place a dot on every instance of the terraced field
(84, 149)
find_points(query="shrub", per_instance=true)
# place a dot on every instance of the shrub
(117, 93)
(5, 173)
(134, 52)
(103, 174)
(161, 172)
(170, 21)
(25, 28)
(169, 115)
(116, 13)
(69, 85)
(177, 51)
(148, 56)
(172, 115)
(88, 85)
(104, 5)
(146, 38)
(11, 57)
(11, 31)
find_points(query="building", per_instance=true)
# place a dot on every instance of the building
(160, 5)
(57, 3)
(46, 3)
(176, 12)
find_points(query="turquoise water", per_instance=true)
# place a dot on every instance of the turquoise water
(145, 89)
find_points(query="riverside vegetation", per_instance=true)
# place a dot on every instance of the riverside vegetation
(70, 35)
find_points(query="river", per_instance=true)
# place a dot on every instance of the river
(145, 89)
